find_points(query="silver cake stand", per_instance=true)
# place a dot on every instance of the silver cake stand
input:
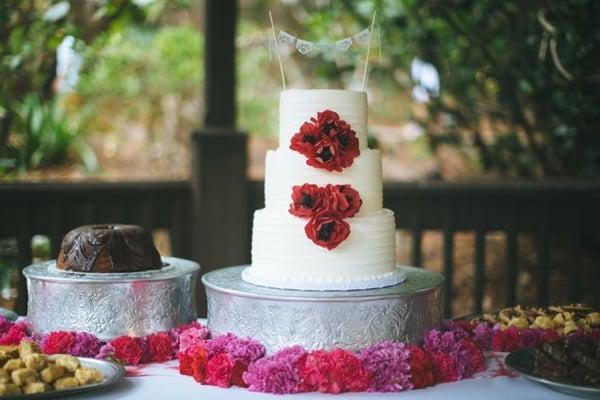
(324, 319)
(111, 304)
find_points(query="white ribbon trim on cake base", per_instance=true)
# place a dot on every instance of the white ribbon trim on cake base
(391, 278)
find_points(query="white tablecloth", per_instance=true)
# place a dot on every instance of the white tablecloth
(163, 382)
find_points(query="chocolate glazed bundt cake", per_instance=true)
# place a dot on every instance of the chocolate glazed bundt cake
(108, 248)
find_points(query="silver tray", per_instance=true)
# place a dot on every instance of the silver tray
(112, 373)
(113, 304)
(324, 319)
(521, 361)
(8, 314)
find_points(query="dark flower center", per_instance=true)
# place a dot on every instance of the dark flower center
(328, 127)
(326, 154)
(307, 200)
(344, 140)
(325, 231)
(310, 139)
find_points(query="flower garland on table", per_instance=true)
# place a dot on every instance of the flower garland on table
(452, 353)
(125, 350)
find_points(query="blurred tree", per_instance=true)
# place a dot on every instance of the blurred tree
(520, 81)
(30, 32)
(128, 75)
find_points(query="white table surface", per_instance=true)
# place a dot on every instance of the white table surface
(162, 381)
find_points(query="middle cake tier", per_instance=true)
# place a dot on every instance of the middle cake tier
(285, 168)
(282, 255)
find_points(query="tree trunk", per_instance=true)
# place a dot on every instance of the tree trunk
(5, 123)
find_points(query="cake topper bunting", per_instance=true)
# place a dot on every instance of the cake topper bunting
(304, 47)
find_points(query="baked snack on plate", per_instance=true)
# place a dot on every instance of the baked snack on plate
(564, 319)
(26, 371)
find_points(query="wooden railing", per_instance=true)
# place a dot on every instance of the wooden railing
(555, 214)
(563, 211)
(52, 209)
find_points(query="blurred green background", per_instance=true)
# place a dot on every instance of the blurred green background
(112, 89)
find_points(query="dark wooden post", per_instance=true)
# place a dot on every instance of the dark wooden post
(219, 155)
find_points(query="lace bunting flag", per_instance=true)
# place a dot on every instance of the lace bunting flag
(306, 46)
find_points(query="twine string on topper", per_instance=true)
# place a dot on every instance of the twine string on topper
(278, 52)
(305, 47)
(364, 82)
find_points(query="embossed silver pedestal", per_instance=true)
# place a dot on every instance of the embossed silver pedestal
(113, 304)
(324, 319)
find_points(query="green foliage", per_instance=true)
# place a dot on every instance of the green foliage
(257, 107)
(30, 32)
(44, 136)
(524, 110)
(127, 74)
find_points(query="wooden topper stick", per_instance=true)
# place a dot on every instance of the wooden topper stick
(364, 81)
(278, 52)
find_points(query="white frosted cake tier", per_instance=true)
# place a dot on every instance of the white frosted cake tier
(299, 106)
(284, 256)
(285, 168)
(283, 253)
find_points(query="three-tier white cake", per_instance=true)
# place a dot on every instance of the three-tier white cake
(323, 226)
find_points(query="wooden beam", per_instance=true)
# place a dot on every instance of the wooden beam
(219, 160)
(219, 63)
(219, 194)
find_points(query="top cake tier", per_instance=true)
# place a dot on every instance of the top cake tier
(297, 106)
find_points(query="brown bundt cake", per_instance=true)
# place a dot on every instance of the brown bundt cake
(108, 248)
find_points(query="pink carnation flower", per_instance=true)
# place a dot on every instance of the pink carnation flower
(192, 337)
(276, 374)
(85, 345)
(387, 364)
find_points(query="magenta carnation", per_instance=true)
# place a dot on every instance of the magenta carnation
(276, 374)
(105, 351)
(531, 337)
(437, 341)
(85, 345)
(387, 364)
(483, 334)
(245, 349)
(4, 325)
(217, 345)
(191, 337)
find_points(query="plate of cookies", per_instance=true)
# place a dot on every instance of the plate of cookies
(26, 373)
(565, 319)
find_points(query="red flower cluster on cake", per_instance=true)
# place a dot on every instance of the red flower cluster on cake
(327, 207)
(327, 141)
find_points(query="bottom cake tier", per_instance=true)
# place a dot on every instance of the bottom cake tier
(284, 257)
(322, 320)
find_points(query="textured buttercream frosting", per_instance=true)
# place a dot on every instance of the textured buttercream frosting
(285, 168)
(282, 254)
